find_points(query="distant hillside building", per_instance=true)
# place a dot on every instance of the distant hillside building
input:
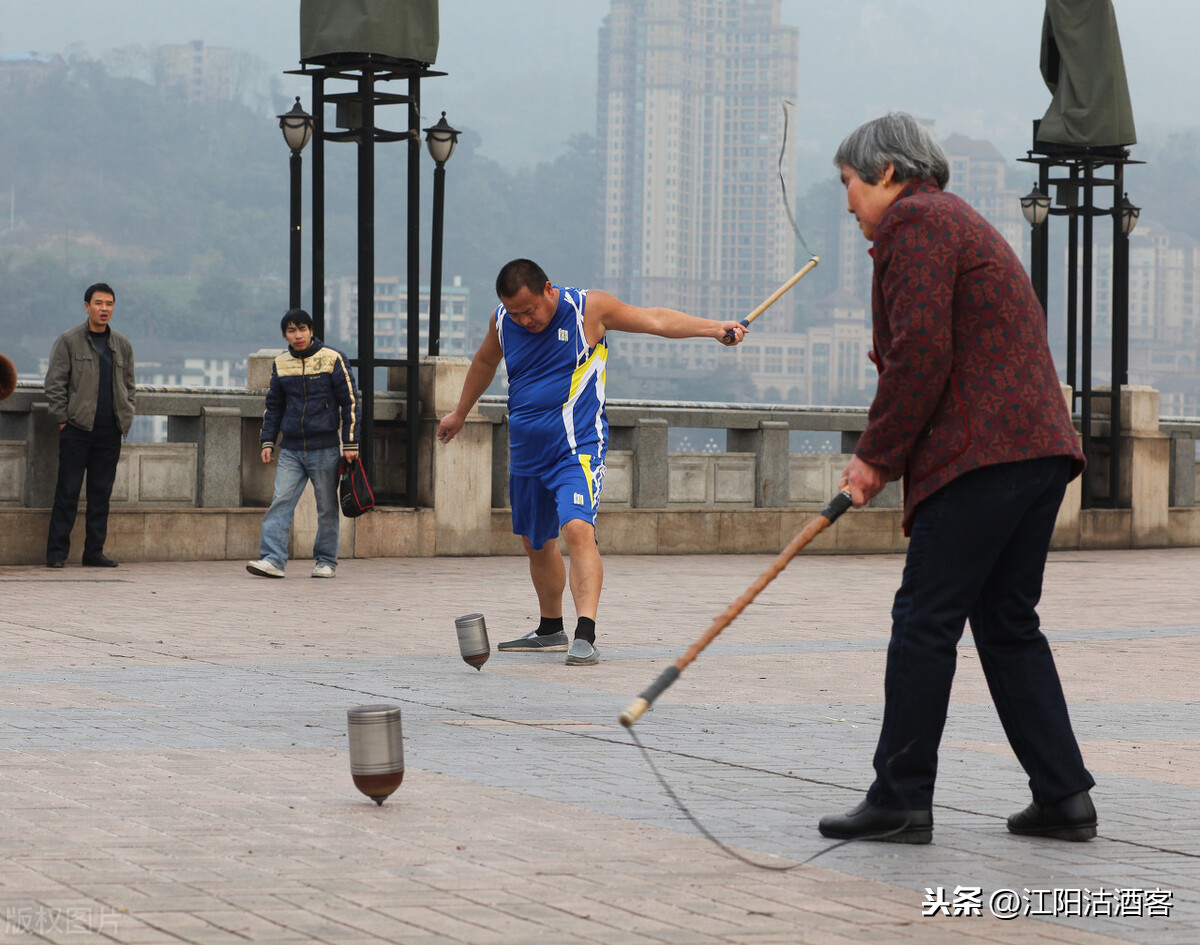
(391, 317)
(25, 70)
(825, 363)
(197, 72)
(689, 115)
(978, 174)
(1164, 315)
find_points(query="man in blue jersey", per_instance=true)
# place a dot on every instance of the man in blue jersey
(553, 345)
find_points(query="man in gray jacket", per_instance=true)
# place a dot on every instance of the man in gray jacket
(89, 385)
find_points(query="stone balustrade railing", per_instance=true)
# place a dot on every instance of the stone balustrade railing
(207, 481)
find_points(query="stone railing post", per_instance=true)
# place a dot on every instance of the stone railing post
(257, 479)
(1145, 467)
(217, 433)
(1183, 471)
(769, 444)
(219, 456)
(651, 478)
(500, 497)
(41, 469)
(455, 478)
(1069, 521)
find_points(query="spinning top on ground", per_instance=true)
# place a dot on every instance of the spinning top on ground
(473, 640)
(376, 750)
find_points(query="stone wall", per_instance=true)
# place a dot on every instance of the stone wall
(202, 494)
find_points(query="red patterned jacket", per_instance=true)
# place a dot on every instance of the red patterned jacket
(965, 373)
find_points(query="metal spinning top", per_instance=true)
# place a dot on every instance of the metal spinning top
(473, 640)
(376, 750)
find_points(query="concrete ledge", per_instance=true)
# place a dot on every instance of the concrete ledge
(1183, 527)
(502, 541)
(215, 534)
(230, 534)
(395, 533)
(726, 531)
(143, 534)
(1105, 528)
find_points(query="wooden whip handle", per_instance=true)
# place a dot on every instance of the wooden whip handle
(830, 514)
(652, 692)
(776, 295)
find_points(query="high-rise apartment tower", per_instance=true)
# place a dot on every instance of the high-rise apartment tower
(690, 122)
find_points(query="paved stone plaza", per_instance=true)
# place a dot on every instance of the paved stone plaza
(174, 761)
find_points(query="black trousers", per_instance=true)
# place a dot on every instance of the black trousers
(977, 552)
(79, 452)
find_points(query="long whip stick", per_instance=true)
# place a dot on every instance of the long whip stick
(830, 514)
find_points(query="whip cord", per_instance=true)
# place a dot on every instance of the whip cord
(728, 850)
(787, 202)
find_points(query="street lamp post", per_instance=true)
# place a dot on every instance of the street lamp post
(441, 140)
(1075, 177)
(1036, 207)
(1125, 217)
(297, 128)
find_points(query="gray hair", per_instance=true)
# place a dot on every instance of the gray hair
(897, 139)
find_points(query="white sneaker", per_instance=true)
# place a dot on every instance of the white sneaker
(324, 571)
(264, 568)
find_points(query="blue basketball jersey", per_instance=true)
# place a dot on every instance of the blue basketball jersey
(555, 389)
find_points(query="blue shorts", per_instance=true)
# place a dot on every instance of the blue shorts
(543, 504)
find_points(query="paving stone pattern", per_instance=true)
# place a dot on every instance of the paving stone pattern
(174, 763)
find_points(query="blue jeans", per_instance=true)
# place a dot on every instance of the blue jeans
(296, 469)
(977, 551)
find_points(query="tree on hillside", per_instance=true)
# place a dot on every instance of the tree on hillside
(112, 181)
(109, 161)
(1155, 186)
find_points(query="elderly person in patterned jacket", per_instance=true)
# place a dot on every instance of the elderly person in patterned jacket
(970, 413)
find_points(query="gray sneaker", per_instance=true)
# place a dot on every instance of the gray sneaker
(582, 653)
(532, 643)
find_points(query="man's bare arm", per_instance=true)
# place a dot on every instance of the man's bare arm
(479, 375)
(605, 312)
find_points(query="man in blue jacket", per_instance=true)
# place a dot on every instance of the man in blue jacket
(312, 418)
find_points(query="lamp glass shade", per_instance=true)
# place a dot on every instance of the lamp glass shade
(1036, 206)
(441, 140)
(297, 126)
(1129, 215)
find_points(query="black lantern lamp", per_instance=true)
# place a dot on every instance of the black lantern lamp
(1129, 215)
(441, 140)
(1036, 207)
(297, 127)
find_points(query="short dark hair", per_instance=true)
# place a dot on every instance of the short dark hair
(97, 287)
(518, 274)
(297, 317)
(897, 139)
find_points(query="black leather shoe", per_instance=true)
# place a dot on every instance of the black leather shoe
(1072, 818)
(55, 563)
(868, 822)
(98, 561)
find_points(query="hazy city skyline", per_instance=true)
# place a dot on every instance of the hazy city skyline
(526, 83)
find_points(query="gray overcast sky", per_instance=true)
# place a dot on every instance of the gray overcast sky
(523, 74)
